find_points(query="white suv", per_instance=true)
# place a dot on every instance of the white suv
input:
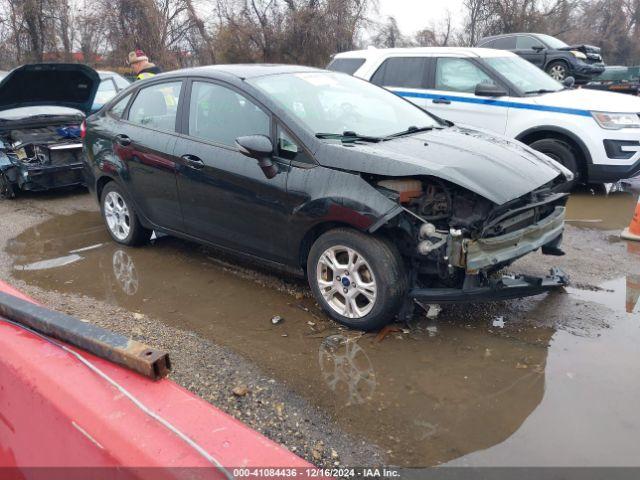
(593, 133)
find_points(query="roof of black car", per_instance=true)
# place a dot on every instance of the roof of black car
(249, 70)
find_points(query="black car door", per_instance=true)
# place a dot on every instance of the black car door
(145, 142)
(530, 49)
(226, 197)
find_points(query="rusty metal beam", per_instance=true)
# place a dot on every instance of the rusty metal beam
(111, 346)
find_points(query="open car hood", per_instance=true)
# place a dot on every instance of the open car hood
(61, 84)
(497, 168)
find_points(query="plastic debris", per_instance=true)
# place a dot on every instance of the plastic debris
(433, 311)
(498, 322)
(276, 319)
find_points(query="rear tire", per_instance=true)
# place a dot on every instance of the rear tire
(359, 280)
(562, 153)
(120, 217)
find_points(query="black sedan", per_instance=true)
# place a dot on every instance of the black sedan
(375, 200)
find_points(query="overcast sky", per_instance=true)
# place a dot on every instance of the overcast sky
(414, 15)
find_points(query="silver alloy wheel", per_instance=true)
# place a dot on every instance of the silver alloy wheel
(346, 281)
(116, 212)
(558, 72)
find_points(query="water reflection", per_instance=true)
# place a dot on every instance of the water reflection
(124, 269)
(346, 369)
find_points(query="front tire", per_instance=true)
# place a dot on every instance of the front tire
(558, 71)
(359, 280)
(562, 153)
(7, 190)
(120, 217)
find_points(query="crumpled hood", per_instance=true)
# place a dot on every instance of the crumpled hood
(494, 167)
(582, 48)
(590, 100)
(60, 84)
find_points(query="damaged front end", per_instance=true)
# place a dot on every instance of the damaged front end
(459, 243)
(40, 158)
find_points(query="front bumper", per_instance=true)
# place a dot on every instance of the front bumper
(603, 173)
(507, 287)
(587, 70)
(483, 253)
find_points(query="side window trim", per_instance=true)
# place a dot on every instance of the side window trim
(125, 114)
(277, 127)
(117, 99)
(184, 114)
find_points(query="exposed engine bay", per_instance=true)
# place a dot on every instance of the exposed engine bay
(454, 238)
(39, 158)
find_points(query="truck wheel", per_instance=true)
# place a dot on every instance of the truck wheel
(562, 153)
(558, 70)
(120, 217)
(359, 280)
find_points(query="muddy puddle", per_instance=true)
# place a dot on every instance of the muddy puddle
(605, 207)
(479, 384)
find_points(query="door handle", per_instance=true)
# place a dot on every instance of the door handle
(443, 101)
(123, 140)
(193, 161)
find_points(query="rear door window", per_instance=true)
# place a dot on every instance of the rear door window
(156, 106)
(504, 43)
(220, 114)
(345, 65)
(407, 72)
(459, 75)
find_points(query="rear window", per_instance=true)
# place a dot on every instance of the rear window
(504, 43)
(345, 65)
(407, 72)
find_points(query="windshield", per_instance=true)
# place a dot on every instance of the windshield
(523, 74)
(327, 102)
(552, 42)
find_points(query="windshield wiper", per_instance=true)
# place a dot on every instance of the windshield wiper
(412, 129)
(542, 90)
(348, 136)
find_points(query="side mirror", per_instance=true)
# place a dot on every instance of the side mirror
(489, 90)
(537, 48)
(260, 148)
(569, 82)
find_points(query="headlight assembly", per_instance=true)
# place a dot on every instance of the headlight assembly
(616, 121)
(578, 54)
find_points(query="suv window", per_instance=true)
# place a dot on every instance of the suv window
(345, 65)
(106, 91)
(408, 72)
(527, 43)
(156, 106)
(118, 109)
(459, 75)
(504, 43)
(221, 115)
